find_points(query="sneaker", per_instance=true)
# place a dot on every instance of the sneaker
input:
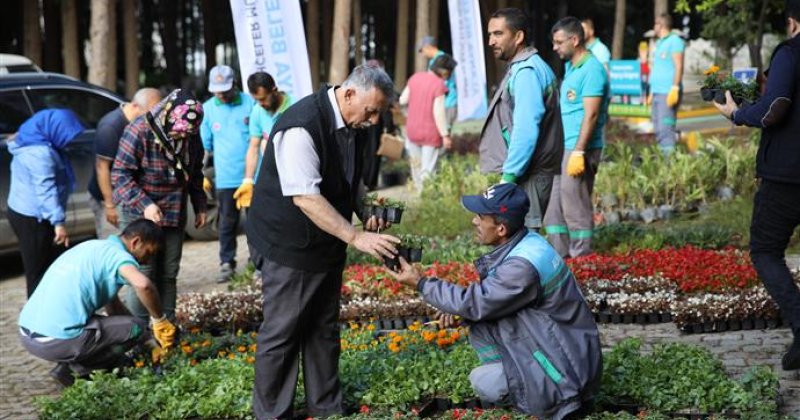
(62, 374)
(791, 360)
(225, 272)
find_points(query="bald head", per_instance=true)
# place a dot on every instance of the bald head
(146, 98)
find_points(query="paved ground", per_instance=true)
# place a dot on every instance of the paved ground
(23, 376)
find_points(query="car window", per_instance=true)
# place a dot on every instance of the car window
(89, 106)
(14, 110)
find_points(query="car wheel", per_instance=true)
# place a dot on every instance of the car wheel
(209, 232)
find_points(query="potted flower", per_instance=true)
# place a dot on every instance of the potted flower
(711, 83)
(739, 91)
(410, 249)
(394, 210)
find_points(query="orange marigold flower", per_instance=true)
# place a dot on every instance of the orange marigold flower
(397, 339)
(206, 343)
(251, 360)
(193, 362)
(222, 353)
(371, 327)
(711, 70)
(393, 334)
(353, 326)
(231, 356)
(186, 349)
(455, 335)
(139, 363)
(241, 349)
(394, 348)
(442, 333)
(253, 348)
(443, 342)
(363, 347)
(195, 330)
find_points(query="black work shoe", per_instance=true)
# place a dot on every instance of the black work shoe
(62, 374)
(791, 360)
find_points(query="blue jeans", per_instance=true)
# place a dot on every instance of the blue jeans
(664, 120)
(776, 214)
(228, 223)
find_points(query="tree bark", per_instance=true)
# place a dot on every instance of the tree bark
(69, 51)
(423, 29)
(131, 38)
(168, 27)
(327, 33)
(660, 7)
(340, 43)
(434, 19)
(52, 36)
(754, 44)
(312, 39)
(210, 34)
(32, 32)
(112, 45)
(619, 30)
(359, 38)
(98, 36)
(401, 48)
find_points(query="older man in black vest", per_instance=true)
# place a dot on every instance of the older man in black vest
(299, 223)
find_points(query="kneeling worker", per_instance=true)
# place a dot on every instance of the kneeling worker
(535, 337)
(59, 324)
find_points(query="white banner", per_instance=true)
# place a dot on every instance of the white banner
(270, 37)
(467, 35)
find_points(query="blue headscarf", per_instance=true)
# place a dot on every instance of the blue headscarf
(51, 127)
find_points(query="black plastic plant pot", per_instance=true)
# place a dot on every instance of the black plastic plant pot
(708, 94)
(415, 255)
(379, 212)
(366, 211)
(393, 214)
(392, 263)
(404, 252)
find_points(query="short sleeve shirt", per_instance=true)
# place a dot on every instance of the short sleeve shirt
(663, 71)
(78, 283)
(586, 79)
(106, 142)
(600, 51)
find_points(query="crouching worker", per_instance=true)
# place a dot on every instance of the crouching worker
(535, 337)
(59, 323)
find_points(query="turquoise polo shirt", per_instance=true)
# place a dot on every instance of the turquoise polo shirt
(663, 70)
(78, 283)
(600, 51)
(586, 79)
(225, 131)
(262, 121)
(451, 99)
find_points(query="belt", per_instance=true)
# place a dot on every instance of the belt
(36, 336)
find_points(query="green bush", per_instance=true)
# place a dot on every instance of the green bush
(624, 237)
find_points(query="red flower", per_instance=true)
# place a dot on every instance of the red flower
(364, 409)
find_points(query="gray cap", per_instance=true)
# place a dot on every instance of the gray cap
(220, 79)
(426, 40)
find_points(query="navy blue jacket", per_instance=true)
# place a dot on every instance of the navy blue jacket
(778, 114)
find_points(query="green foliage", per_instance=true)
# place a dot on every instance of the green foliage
(624, 237)
(438, 212)
(678, 376)
(244, 279)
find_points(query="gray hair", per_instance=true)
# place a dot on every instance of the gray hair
(364, 78)
(146, 96)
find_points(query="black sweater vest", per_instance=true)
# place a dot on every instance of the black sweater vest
(276, 227)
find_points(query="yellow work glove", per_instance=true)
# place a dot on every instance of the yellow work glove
(576, 164)
(158, 355)
(207, 185)
(673, 95)
(244, 194)
(163, 331)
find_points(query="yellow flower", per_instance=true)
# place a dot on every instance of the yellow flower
(371, 327)
(206, 343)
(231, 356)
(362, 347)
(253, 348)
(711, 70)
(353, 326)
(222, 353)
(394, 348)
(139, 363)
(397, 339)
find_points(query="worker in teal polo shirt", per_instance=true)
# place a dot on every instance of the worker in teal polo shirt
(584, 111)
(428, 47)
(271, 103)
(225, 134)
(665, 82)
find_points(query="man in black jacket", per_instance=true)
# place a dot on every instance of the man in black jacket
(776, 208)
(299, 222)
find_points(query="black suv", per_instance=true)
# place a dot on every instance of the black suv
(23, 94)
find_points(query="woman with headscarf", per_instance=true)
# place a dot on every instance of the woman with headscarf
(41, 181)
(158, 164)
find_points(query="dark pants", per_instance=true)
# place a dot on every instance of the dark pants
(35, 246)
(228, 223)
(776, 213)
(102, 345)
(301, 313)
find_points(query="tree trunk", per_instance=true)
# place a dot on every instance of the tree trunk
(660, 7)
(98, 36)
(131, 38)
(112, 45)
(32, 32)
(168, 27)
(69, 25)
(359, 38)
(52, 36)
(619, 30)
(340, 43)
(210, 34)
(423, 29)
(327, 33)
(401, 49)
(754, 44)
(434, 19)
(312, 40)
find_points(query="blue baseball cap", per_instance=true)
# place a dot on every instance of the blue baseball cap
(506, 200)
